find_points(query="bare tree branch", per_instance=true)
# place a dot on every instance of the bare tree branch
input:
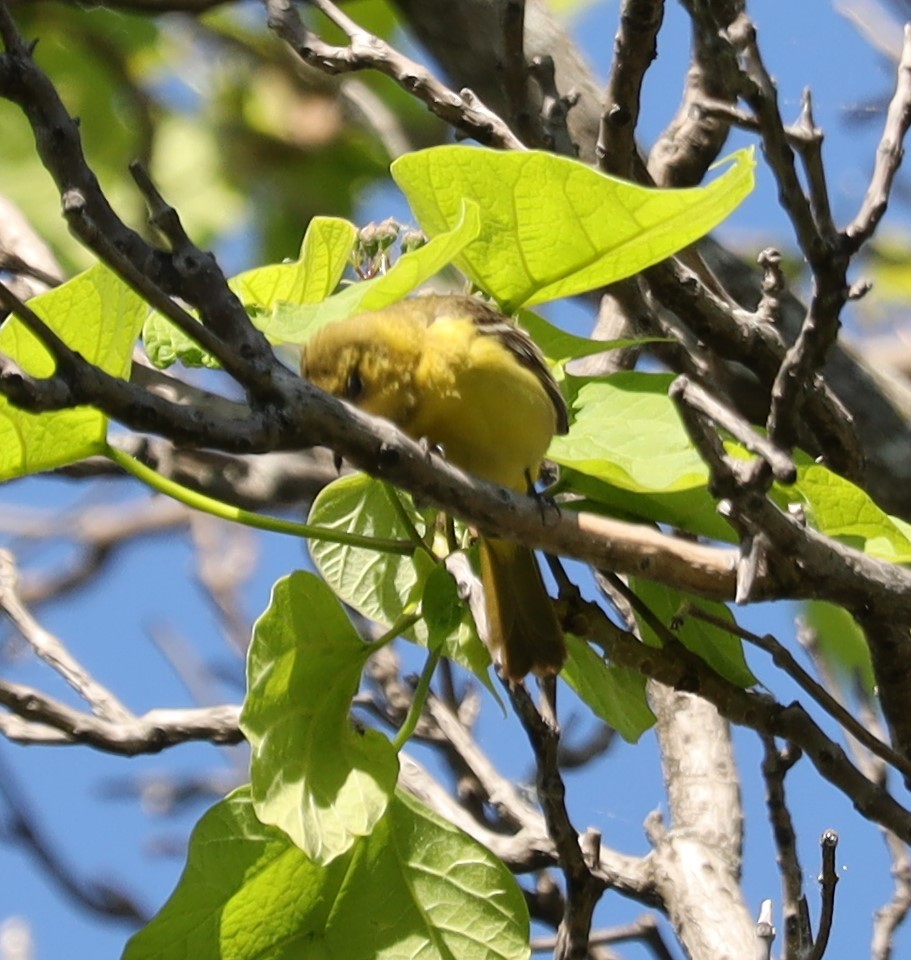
(103, 702)
(464, 111)
(675, 667)
(775, 766)
(635, 47)
(888, 156)
(698, 853)
(692, 141)
(583, 886)
(38, 718)
(828, 879)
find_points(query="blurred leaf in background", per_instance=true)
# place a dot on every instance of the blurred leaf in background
(244, 141)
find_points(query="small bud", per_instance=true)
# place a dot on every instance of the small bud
(413, 240)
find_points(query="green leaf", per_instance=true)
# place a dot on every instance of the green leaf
(615, 694)
(314, 775)
(377, 585)
(627, 451)
(324, 255)
(441, 606)
(165, 344)
(380, 585)
(552, 226)
(626, 431)
(842, 643)
(417, 887)
(98, 316)
(445, 894)
(294, 324)
(838, 508)
(558, 346)
(450, 625)
(317, 271)
(721, 650)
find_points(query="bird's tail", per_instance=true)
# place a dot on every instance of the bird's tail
(524, 634)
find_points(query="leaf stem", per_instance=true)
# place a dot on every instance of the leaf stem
(394, 498)
(226, 511)
(408, 618)
(418, 700)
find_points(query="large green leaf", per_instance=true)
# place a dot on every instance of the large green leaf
(377, 585)
(626, 431)
(325, 253)
(98, 316)
(841, 509)
(615, 694)
(721, 650)
(552, 226)
(381, 585)
(416, 888)
(628, 452)
(314, 774)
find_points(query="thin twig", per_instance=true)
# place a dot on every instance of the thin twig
(645, 930)
(583, 887)
(528, 845)
(782, 657)
(250, 359)
(103, 702)
(773, 285)
(367, 52)
(635, 47)
(765, 930)
(808, 141)
(113, 255)
(52, 722)
(828, 880)
(888, 155)
(783, 467)
(775, 766)
(888, 918)
(675, 666)
(555, 107)
(760, 92)
(734, 335)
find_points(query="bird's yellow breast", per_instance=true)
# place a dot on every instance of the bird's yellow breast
(490, 414)
(441, 376)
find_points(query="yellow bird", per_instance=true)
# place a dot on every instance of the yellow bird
(453, 371)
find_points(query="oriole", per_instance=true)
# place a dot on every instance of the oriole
(454, 371)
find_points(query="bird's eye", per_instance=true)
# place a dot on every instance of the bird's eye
(354, 387)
